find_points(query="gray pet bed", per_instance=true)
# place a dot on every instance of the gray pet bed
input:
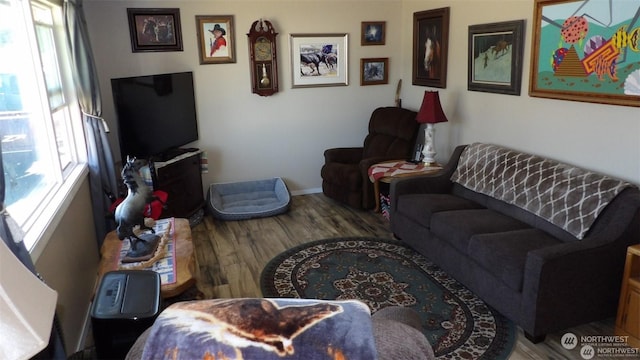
(248, 199)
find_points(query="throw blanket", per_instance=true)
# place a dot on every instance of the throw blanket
(262, 329)
(568, 197)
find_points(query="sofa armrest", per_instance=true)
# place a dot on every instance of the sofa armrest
(557, 277)
(345, 155)
(438, 183)
(569, 286)
(618, 226)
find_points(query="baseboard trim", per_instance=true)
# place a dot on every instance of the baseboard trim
(306, 191)
(86, 329)
(86, 336)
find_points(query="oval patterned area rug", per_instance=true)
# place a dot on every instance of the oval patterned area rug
(385, 273)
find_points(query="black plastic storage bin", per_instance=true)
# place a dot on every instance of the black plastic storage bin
(126, 304)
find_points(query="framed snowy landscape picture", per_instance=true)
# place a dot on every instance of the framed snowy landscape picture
(495, 57)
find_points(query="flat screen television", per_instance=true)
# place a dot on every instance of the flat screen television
(156, 114)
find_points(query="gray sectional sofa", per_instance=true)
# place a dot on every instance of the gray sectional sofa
(540, 241)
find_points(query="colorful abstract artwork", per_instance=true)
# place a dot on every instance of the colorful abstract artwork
(587, 50)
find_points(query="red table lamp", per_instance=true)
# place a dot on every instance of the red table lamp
(430, 113)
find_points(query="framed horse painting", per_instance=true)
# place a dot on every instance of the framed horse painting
(319, 60)
(155, 29)
(430, 44)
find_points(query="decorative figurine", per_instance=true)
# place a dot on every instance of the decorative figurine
(130, 213)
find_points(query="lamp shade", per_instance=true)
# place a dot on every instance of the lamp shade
(27, 307)
(431, 110)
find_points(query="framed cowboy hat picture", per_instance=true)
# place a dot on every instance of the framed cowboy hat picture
(216, 39)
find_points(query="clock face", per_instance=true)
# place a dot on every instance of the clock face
(262, 49)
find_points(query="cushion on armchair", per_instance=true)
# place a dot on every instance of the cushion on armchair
(255, 328)
(396, 332)
(392, 135)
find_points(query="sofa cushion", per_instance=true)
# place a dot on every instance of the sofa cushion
(567, 196)
(513, 211)
(458, 226)
(504, 254)
(420, 207)
(256, 328)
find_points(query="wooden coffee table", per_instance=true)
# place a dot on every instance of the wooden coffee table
(184, 258)
(387, 171)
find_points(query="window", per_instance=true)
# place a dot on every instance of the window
(39, 117)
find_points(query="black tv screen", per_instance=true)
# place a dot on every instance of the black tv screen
(156, 114)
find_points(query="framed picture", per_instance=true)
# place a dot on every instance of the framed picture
(430, 44)
(374, 71)
(155, 29)
(373, 33)
(216, 39)
(586, 51)
(495, 57)
(319, 60)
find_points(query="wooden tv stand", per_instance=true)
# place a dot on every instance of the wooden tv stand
(181, 178)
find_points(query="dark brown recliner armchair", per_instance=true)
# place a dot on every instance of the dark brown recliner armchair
(392, 135)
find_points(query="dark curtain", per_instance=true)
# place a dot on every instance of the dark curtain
(102, 178)
(12, 237)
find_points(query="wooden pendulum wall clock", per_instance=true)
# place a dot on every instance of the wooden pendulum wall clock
(263, 59)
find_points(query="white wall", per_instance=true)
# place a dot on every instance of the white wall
(250, 137)
(69, 265)
(603, 138)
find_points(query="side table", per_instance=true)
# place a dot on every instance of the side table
(184, 258)
(628, 319)
(387, 171)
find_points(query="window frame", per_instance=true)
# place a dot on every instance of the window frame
(69, 177)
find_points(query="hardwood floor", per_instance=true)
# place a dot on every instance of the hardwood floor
(230, 256)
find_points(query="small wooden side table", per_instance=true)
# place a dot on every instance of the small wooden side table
(184, 258)
(387, 171)
(628, 319)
